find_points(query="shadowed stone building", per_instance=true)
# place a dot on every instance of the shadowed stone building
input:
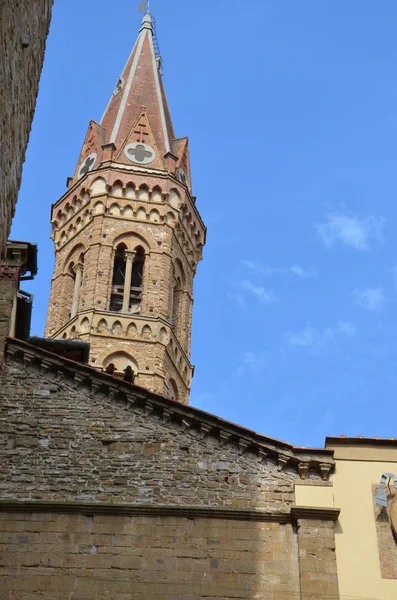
(23, 32)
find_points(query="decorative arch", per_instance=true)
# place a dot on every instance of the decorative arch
(171, 390)
(74, 255)
(146, 333)
(121, 361)
(114, 210)
(130, 190)
(157, 195)
(143, 192)
(85, 325)
(117, 189)
(132, 240)
(117, 328)
(154, 216)
(102, 326)
(128, 213)
(98, 186)
(132, 330)
(118, 349)
(174, 199)
(98, 208)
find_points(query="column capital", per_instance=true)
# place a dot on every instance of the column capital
(78, 268)
(129, 256)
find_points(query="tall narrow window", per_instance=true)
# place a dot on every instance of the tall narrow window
(176, 301)
(116, 299)
(137, 281)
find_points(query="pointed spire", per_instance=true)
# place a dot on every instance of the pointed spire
(140, 88)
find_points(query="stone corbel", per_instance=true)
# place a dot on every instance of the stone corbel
(262, 455)
(186, 425)
(242, 446)
(28, 359)
(78, 380)
(325, 470)
(149, 408)
(204, 430)
(45, 367)
(113, 393)
(303, 469)
(224, 438)
(167, 415)
(95, 387)
(131, 401)
(282, 461)
(11, 352)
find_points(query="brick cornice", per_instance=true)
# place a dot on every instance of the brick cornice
(257, 446)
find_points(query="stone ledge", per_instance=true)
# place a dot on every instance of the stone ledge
(320, 514)
(136, 510)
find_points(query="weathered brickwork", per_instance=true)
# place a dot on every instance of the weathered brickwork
(23, 31)
(62, 443)
(9, 283)
(74, 556)
(89, 223)
(317, 559)
(119, 204)
(107, 496)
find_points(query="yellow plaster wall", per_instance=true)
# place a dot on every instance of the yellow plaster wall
(356, 538)
(317, 496)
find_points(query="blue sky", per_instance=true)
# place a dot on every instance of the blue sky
(291, 112)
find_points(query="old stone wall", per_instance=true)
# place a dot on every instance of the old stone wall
(9, 283)
(59, 442)
(93, 557)
(23, 31)
(106, 496)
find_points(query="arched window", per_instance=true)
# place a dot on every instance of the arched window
(171, 390)
(116, 298)
(127, 280)
(177, 295)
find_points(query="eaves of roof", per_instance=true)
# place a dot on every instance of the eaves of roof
(285, 455)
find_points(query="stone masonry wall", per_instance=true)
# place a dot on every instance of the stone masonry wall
(70, 557)
(59, 442)
(9, 283)
(23, 31)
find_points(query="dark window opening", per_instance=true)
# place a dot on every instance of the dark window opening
(116, 299)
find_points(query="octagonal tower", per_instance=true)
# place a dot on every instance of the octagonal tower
(128, 237)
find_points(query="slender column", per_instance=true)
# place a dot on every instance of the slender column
(129, 261)
(78, 270)
(13, 316)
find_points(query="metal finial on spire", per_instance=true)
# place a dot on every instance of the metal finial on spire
(144, 6)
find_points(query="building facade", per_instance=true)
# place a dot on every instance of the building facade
(115, 490)
(23, 32)
(128, 237)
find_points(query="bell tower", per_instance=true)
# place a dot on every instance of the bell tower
(128, 237)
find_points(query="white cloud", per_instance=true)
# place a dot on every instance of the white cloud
(250, 361)
(312, 338)
(299, 272)
(257, 268)
(351, 230)
(370, 298)
(263, 295)
(239, 298)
